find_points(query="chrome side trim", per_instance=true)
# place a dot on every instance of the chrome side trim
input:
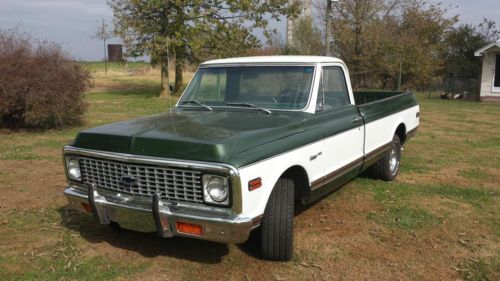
(377, 151)
(336, 174)
(198, 165)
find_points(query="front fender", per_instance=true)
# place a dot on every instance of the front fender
(271, 169)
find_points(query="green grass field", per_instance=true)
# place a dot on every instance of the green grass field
(99, 66)
(440, 220)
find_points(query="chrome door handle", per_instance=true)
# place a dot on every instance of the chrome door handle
(357, 119)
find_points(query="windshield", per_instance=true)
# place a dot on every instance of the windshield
(269, 87)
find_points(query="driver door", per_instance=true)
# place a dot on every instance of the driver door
(341, 125)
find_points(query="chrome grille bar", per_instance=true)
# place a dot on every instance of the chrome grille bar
(169, 183)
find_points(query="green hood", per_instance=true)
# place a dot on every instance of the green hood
(233, 137)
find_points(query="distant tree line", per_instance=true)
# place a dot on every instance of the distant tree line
(378, 39)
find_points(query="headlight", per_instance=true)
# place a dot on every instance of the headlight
(73, 168)
(215, 189)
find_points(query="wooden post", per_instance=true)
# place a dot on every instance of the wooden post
(399, 77)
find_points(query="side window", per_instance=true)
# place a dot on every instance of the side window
(334, 88)
(320, 102)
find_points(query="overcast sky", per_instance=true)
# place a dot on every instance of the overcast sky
(72, 23)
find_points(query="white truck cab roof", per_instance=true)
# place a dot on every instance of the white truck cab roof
(275, 59)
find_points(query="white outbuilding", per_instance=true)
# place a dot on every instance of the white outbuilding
(490, 77)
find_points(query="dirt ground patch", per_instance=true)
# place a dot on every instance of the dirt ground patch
(31, 184)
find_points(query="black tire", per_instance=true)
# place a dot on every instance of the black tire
(383, 169)
(277, 223)
(115, 226)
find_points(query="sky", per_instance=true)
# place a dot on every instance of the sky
(72, 23)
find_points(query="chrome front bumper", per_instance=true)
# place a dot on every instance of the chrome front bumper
(161, 217)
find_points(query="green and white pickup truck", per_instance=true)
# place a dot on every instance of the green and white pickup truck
(249, 140)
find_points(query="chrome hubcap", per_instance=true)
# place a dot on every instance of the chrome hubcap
(393, 161)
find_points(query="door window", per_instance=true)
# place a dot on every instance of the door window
(332, 91)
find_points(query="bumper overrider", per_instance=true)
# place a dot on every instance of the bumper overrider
(152, 214)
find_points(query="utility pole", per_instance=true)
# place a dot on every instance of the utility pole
(400, 75)
(105, 54)
(103, 34)
(328, 27)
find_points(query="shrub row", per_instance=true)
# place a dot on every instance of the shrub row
(40, 87)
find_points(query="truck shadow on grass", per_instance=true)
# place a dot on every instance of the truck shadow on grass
(252, 246)
(146, 244)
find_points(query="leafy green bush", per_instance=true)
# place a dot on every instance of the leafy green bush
(40, 87)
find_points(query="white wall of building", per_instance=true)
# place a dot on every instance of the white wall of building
(489, 55)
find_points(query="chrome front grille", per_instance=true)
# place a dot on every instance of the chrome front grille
(169, 183)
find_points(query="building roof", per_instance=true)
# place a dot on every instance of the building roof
(274, 59)
(490, 47)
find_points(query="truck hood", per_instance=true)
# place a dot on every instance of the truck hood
(212, 136)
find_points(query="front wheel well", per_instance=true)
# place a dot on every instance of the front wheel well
(300, 182)
(401, 133)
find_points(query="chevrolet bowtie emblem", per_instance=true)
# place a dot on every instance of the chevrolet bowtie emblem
(128, 181)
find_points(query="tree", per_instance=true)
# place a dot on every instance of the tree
(192, 28)
(488, 31)
(423, 28)
(459, 57)
(377, 38)
(274, 47)
(356, 30)
(462, 42)
(306, 38)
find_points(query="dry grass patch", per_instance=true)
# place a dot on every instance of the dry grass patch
(31, 184)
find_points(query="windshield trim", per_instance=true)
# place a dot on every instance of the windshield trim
(218, 65)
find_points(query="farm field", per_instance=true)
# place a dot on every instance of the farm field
(440, 219)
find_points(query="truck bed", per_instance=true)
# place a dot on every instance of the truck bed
(362, 97)
(378, 104)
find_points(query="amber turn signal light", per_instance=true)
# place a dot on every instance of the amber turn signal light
(189, 228)
(254, 184)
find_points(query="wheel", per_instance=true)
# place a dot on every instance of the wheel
(277, 223)
(388, 166)
(115, 226)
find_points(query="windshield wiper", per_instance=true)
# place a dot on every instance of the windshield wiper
(249, 105)
(200, 103)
